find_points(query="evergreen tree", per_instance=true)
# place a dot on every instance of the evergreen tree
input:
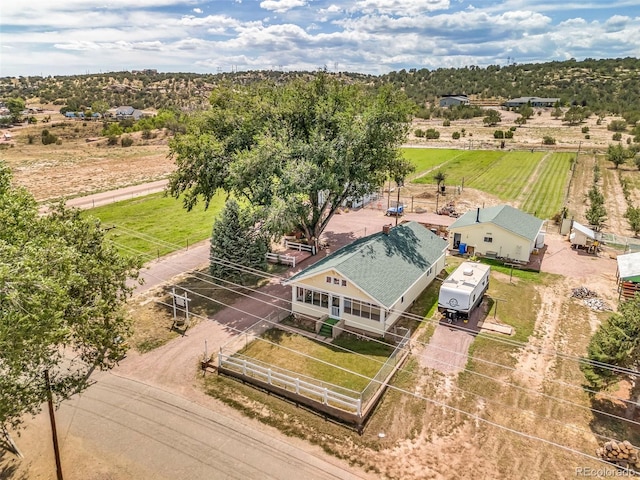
(616, 343)
(236, 242)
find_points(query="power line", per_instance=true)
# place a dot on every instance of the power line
(430, 400)
(420, 319)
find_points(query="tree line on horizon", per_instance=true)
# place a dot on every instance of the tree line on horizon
(605, 86)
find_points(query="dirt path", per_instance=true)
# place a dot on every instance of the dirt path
(534, 365)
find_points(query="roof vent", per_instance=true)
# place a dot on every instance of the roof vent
(386, 229)
(468, 271)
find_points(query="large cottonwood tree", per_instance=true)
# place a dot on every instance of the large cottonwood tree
(294, 151)
(62, 289)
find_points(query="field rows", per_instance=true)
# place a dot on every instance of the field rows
(534, 181)
(545, 199)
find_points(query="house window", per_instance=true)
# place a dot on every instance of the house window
(344, 283)
(361, 309)
(312, 297)
(402, 299)
(328, 280)
(488, 239)
(336, 281)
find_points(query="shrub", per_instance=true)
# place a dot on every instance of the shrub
(547, 140)
(587, 136)
(58, 141)
(508, 134)
(30, 139)
(455, 135)
(585, 129)
(617, 136)
(126, 141)
(432, 134)
(446, 123)
(617, 126)
(498, 134)
(48, 138)
(419, 133)
(112, 140)
(512, 128)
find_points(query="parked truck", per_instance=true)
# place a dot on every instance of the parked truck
(463, 290)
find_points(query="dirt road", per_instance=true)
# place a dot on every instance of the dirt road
(123, 429)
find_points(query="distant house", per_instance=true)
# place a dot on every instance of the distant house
(365, 286)
(453, 100)
(501, 231)
(128, 113)
(533, 101)
(628, 274)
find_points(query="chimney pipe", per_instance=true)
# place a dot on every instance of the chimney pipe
(386, 229)
(478, 215)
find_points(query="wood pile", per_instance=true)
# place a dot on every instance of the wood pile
(620, 454)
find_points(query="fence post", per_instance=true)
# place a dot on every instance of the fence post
(297, 386)
(269, 376)
(325, 396)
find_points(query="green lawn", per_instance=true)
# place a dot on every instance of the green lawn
(279, 351)
(425, 159)
(162, 222)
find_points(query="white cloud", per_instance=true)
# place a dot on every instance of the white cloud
(197, 10)
(400, 7)
(281, 6)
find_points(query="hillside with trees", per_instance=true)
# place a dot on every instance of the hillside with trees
(605, 86)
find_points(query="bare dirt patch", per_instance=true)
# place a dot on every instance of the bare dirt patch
(76, 167)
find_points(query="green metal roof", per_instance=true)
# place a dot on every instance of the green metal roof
(504, 216)
(629, 267)
(382, 265)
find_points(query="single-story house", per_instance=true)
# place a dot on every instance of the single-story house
(584, 237)
(501, 231)
(127, 112)
(628, 274)
(533, 101)
(369, 283)
(453, 100)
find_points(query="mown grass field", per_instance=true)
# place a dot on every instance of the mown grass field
(535, 181)
(155, 225)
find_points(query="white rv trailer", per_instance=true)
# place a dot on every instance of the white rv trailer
(462, 291)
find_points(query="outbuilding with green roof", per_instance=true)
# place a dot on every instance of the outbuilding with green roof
(501, 231)
(369, 283)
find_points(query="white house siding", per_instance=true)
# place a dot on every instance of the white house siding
(505, 243)
(414, 291)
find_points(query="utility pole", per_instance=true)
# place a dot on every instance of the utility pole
(399, 184)
(54, 433)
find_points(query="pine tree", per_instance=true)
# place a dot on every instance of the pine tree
(235, 243)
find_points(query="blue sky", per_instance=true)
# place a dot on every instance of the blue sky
(65, 37)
